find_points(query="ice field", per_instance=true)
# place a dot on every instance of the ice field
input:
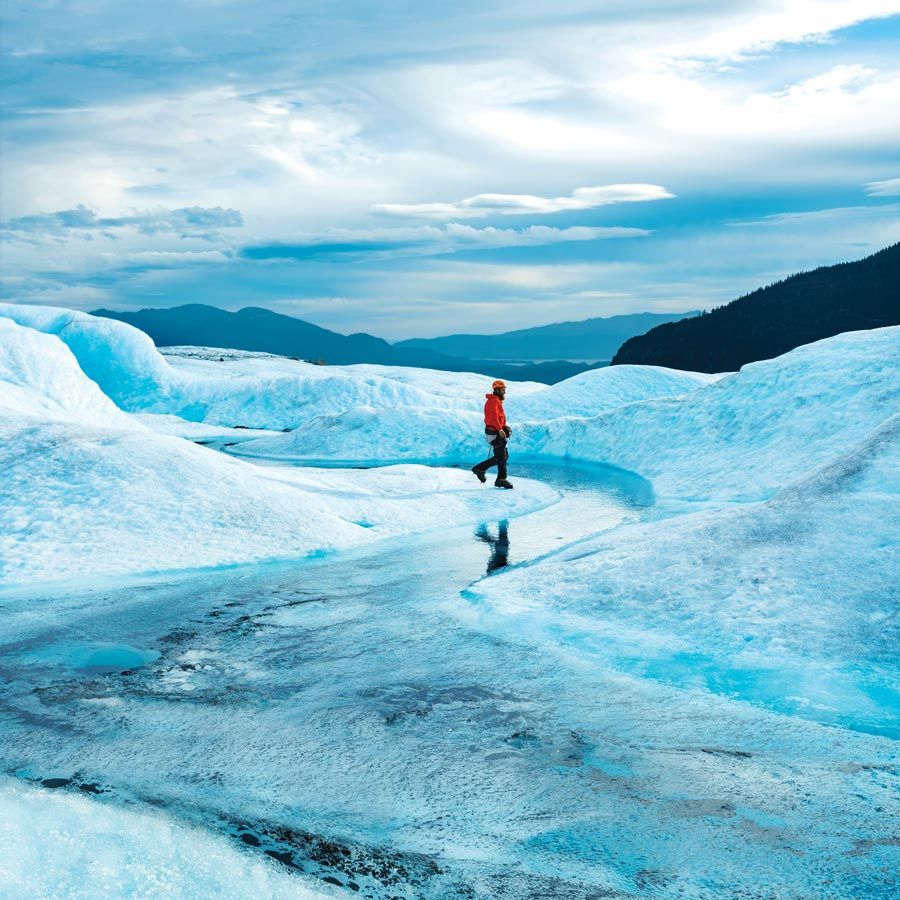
(664, 666)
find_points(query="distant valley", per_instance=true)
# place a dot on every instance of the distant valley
(257, 329)
(766, 323)
(591, 340)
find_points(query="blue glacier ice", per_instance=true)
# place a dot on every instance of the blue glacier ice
(665, 666)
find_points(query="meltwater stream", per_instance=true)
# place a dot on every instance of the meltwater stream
(351, 719)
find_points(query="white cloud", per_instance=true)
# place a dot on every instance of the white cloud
(534, 235)
(427, 240)
(763, 26)
(873, 216)
(482, 205)
(194, 220)
(285, 151)
(890, 187)
(839, 79)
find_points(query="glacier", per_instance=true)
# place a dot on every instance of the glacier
(89, 490)
(664, 666)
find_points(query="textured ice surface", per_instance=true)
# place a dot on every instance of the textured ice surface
(449, 429)
(76, 502)
(454, 388)
(247, 390)
(699, 704)
(123, 361)
(88, 490)
(357, 719)
(598, 390)
(40, 379)
(200, 432)
(444, 430)
(368, 435)
(59, 844)
(790, 603)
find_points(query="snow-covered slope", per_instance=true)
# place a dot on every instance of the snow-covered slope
(750, 433)
(77, 501)
(121, 360)
(797, 585)
(628, 668)
(699, 438)
(85, 489)
(455, 389)
(365, 434)
(228, 388)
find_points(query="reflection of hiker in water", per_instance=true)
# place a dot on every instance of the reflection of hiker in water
(497, 433)
(499, 545)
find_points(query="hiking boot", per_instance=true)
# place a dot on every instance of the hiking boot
(503, 483)
(479, 474)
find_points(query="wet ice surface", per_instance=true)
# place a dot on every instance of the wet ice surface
(347, 718)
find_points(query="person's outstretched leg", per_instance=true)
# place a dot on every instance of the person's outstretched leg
(491, 461)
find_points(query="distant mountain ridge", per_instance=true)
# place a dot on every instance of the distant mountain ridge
(802, 308)
(593, 339)
(258, 329)
(255, 328)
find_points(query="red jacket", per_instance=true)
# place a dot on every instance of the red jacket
(494, 417)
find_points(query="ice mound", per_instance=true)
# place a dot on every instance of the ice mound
(276, 392)
(163, 423)
(455, 390)
(447, 425)
(77, 501)
(598, 390)
(698, 437)
(90, 475)
(227, 388)
(63, 845)
(373, 435)
(40, 377)
(750, 433)
(245, 389)
(122, 360)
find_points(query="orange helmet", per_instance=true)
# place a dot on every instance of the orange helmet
(499, 383)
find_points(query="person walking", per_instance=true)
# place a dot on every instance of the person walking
(497, 433)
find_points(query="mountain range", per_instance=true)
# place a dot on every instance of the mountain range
(254, 328)
(770, 321)
(591, 339)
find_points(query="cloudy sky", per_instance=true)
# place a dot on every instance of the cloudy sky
(414, 168)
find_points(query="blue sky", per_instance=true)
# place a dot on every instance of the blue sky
(414, 169)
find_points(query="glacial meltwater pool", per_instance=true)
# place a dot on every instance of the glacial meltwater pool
(355, 718)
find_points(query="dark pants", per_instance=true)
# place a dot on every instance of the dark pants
(501, 455)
